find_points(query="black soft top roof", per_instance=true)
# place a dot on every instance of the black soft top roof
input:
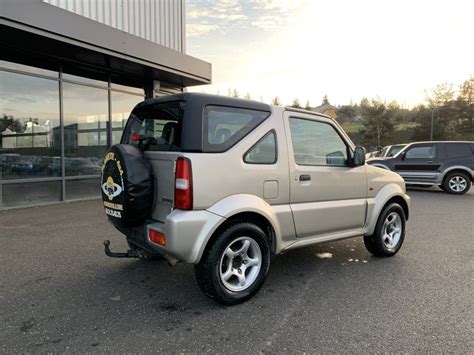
(192, 120)
(199, 99)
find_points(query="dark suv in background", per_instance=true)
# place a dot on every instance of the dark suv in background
(450, 165)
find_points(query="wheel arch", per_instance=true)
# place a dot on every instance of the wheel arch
(457, 169)
(250, 217)
(248, 208)
(389, 194)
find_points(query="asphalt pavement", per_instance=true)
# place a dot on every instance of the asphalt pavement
(60, 293)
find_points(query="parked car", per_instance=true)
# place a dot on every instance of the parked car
(225, 183)
(449, 165)
(390, 150)
(387, 151)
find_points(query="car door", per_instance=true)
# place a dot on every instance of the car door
(326, 194)
(418, 163)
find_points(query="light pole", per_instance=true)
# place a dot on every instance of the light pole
(433, 108)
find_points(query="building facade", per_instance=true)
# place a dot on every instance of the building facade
(70, 72)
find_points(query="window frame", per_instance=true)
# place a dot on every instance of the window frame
(349, 150)
(272, 131)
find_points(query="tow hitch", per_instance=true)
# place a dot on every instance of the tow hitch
(129, 254)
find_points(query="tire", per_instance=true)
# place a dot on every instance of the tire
(379, 243)
(457, 183)
(217, 274)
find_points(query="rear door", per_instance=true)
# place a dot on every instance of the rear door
(327, 195)
(419, 163)
(157, 129)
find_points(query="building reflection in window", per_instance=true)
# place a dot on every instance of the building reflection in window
(85, 129)
(122, 105)
(29, 127)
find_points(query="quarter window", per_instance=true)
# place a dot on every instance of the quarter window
(225, 126)
(317, 143)
(423, 152)
(264, 152)
(455, 150)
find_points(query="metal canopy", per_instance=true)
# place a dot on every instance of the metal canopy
(49, 30)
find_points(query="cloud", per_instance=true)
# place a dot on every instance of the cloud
(197, 30)
(269, 22)
(207, 16)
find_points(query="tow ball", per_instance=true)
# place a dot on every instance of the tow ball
(129, 254)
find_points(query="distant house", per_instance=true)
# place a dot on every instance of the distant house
(326, 109)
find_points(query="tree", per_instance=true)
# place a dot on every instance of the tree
(247, 96)
(13, 124)
(276, 101)
(325, 100)
(346, 113)
(296, 103)
(442, 107)
(377, 121)
(464, 105)
(235, 93)
(307, 106)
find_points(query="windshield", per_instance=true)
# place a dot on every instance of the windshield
(395, 149)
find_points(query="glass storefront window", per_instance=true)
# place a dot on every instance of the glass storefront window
(83, 188)
(28, 69)
(29, 127)
(31, 193)
(122, 105)
(85, 128)
(130, 89)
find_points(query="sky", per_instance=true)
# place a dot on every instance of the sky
(347, 50)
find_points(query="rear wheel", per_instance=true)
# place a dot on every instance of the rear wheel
(235, 265)
(457, 183)
(389, 232)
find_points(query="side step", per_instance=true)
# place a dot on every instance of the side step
(129, 254)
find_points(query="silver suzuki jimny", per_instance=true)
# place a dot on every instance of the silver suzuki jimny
(226, 183)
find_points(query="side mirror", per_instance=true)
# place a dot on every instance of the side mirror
(359, 156)
(403, 155)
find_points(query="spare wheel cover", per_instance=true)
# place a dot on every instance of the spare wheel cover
(127, 186)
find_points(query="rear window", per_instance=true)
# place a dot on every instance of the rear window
(458, 150)
(225, 126)
(158, 126)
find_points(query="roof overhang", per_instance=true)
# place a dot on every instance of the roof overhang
(53, 31)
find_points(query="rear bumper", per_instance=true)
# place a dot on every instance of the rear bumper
(186, 232)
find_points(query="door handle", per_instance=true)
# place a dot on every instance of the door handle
(305, 177)
(429, 161)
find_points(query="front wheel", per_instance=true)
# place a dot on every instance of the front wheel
(235, 265)
(389, 232)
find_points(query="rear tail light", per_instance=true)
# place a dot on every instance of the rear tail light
(183, 189)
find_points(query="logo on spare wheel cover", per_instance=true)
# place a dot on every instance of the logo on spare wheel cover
(111, 189)
(112, 185)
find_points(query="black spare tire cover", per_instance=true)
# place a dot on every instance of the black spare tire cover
(127, 186)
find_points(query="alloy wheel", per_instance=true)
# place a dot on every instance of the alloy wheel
(240, 264)
(392, 230)
(457, 183)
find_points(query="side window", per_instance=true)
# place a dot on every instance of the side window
(317, 143)
(225, 126)
(264, 151)
(458, 150)
(423, 152)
